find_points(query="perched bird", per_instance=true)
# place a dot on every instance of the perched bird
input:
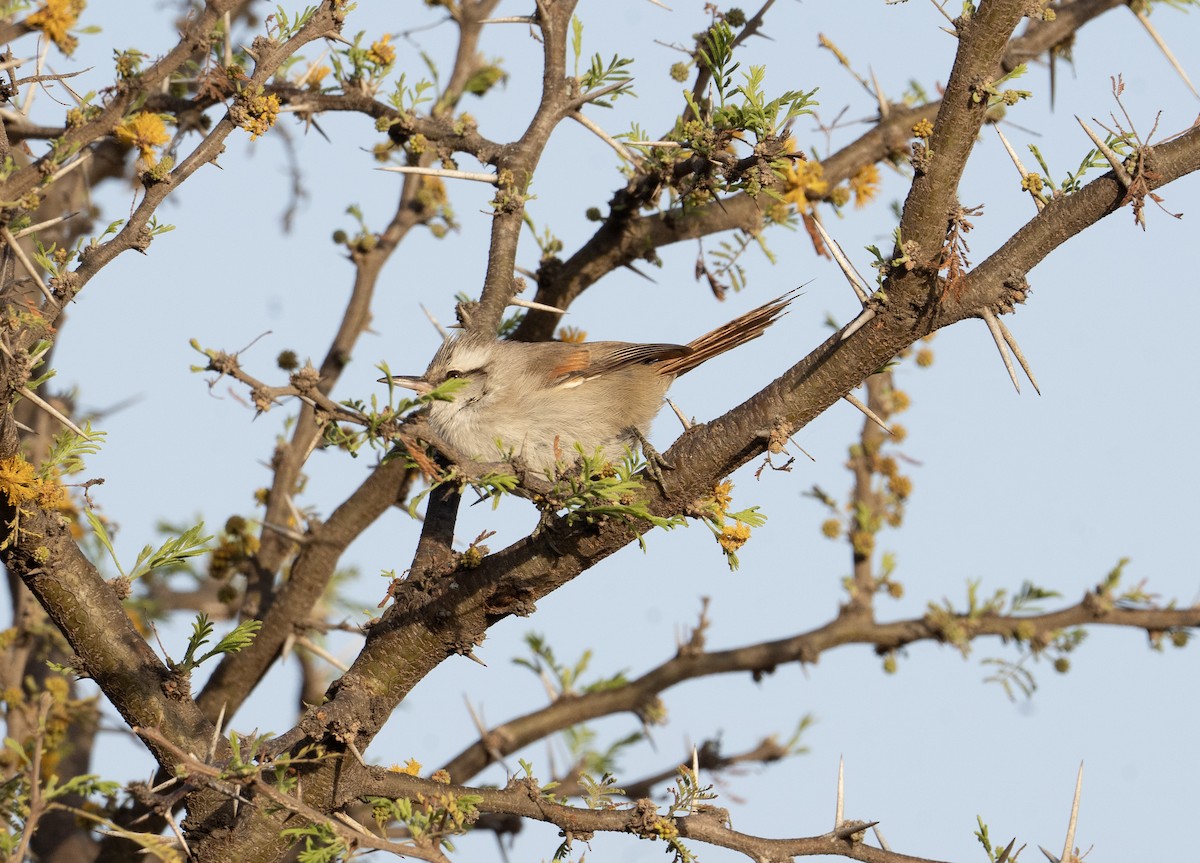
(537, 400)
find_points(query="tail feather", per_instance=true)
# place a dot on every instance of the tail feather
(728, 336)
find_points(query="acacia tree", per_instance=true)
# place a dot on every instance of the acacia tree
(728, 160)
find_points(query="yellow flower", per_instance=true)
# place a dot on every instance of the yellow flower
(313, 76)
(722, 495)
(733, 538)
(143, 131)
(571, 335)
(865, 184)
(18, 480)
(255, 111)
(803, 177)
(412, 767)
(922, 128)
(55, 19)
(382, 52)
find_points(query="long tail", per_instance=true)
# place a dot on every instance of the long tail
(728, 336)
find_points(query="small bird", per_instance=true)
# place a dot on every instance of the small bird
(538, 400)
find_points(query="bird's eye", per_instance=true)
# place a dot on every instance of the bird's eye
(454, 373)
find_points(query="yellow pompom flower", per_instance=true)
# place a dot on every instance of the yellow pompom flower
(143, 131)
(865, 184)
(733, 538)
(55, 19)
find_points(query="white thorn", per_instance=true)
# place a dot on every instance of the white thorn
(1012, 154)
(11, 242)
(53, 411)
(852, 276)
(354, 751)
(49, 223)
(216, 735)
(352, 824)
(1016, 349)
(879, 836)
(695, 776)
(1162, 46)
(541, 307)
(1069, 846)
(288, 644)
(666, 145)
(994, 328)
(1114, 159)
(437, 325)
(867, 412)
(839, 811)
(602, 135)
(858, 323)
(442, 172)
(684, 421)
(317, 650)
(883, 102)
(510, 19)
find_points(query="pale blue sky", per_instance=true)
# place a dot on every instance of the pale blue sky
(1007, 488)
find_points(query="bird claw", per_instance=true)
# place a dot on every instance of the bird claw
(656, 463)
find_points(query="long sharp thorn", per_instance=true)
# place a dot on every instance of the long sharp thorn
(994, 328)
(684, 421)
(442, 172)
(1069, 845)
(858, 323)
(53, 411)
(437, 325)
(216, 735)
(470, 654)
(23, 258)
(867, 412)
(541, 307)
(587, 123)
(847, 268)
(1012, 154)
(1114, 159)
(882, 99)
(879, 836)
(695, 775)
(839, 811)
(511, 19)
(1162, 46)
(1049, 856)
(49, 223)
(1016, 349)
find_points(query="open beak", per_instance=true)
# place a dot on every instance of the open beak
(418, 385)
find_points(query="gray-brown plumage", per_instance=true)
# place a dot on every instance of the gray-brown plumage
(538, 400)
